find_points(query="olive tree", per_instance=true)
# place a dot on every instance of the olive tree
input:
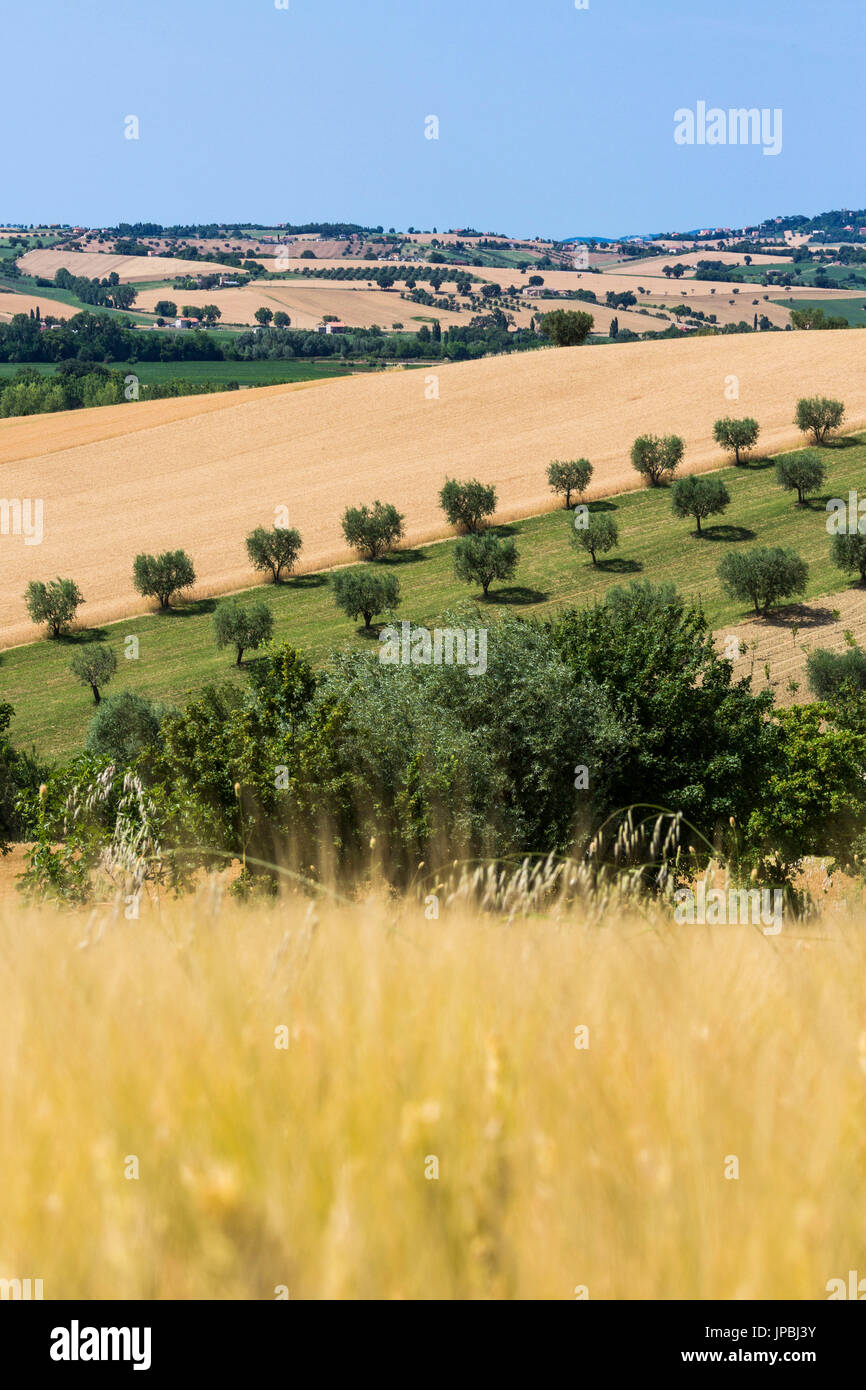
(365, 592)
(819, 416)
(568, 476)
(94, 665)
(849, 553)
(54, 603)
(656, 458)
(468, 504)
(373, 530)
(597, 537)
(763, 575)
(481, 559)
(163, 576)
(736, 436)
(699, 497)
(243, 626)
(801, 472)
(275, 550)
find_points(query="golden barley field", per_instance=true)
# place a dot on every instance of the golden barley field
(199, 473)
(430, 1130)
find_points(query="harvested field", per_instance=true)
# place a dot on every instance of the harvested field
(202, 472)
(653, 264)
(306, 302)
(22, 304)
(96, 265)
(784, 641)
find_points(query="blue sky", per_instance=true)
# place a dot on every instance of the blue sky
(552, 120)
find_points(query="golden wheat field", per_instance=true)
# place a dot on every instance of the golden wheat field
(307, 303)
(353, 1102)
(11, 303)
(99, 265)
(202, 472)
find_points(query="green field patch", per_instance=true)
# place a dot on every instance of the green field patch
(178, 654)
(854, 310)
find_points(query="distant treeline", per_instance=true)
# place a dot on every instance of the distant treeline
(100, 338)
(212, 230)
(76, 385)
(108, 293)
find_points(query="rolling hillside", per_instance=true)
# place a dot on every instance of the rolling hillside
(202, 472)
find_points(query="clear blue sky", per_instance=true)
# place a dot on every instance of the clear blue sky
(553, 120)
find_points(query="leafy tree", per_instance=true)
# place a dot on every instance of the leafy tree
(264, 316)
(815, 802)
(849, 553)
(654, 457)
(736, 436)
(167, 308)
(274, 550)
(467, 504)
(54, 603)
(246, 627)
(598, 536)
(568, 476)
(211, 312)
(123, 726)
(801, 472)
(481, 559)
(365, 592)
(94, 665)
(567, 327)
(819, 416)
(281, 319)
(696, 740)
(699, 496)
(20, 777)
(763, 575)
(162, 576)
(373, 531)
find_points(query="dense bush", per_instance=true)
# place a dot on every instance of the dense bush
(123, 726)
(829, 673)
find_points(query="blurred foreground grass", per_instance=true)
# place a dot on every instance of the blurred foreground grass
(410, 1041)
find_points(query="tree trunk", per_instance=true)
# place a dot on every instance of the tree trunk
(96, 695)
(368, 620)
(240, 654)
(698, 520)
